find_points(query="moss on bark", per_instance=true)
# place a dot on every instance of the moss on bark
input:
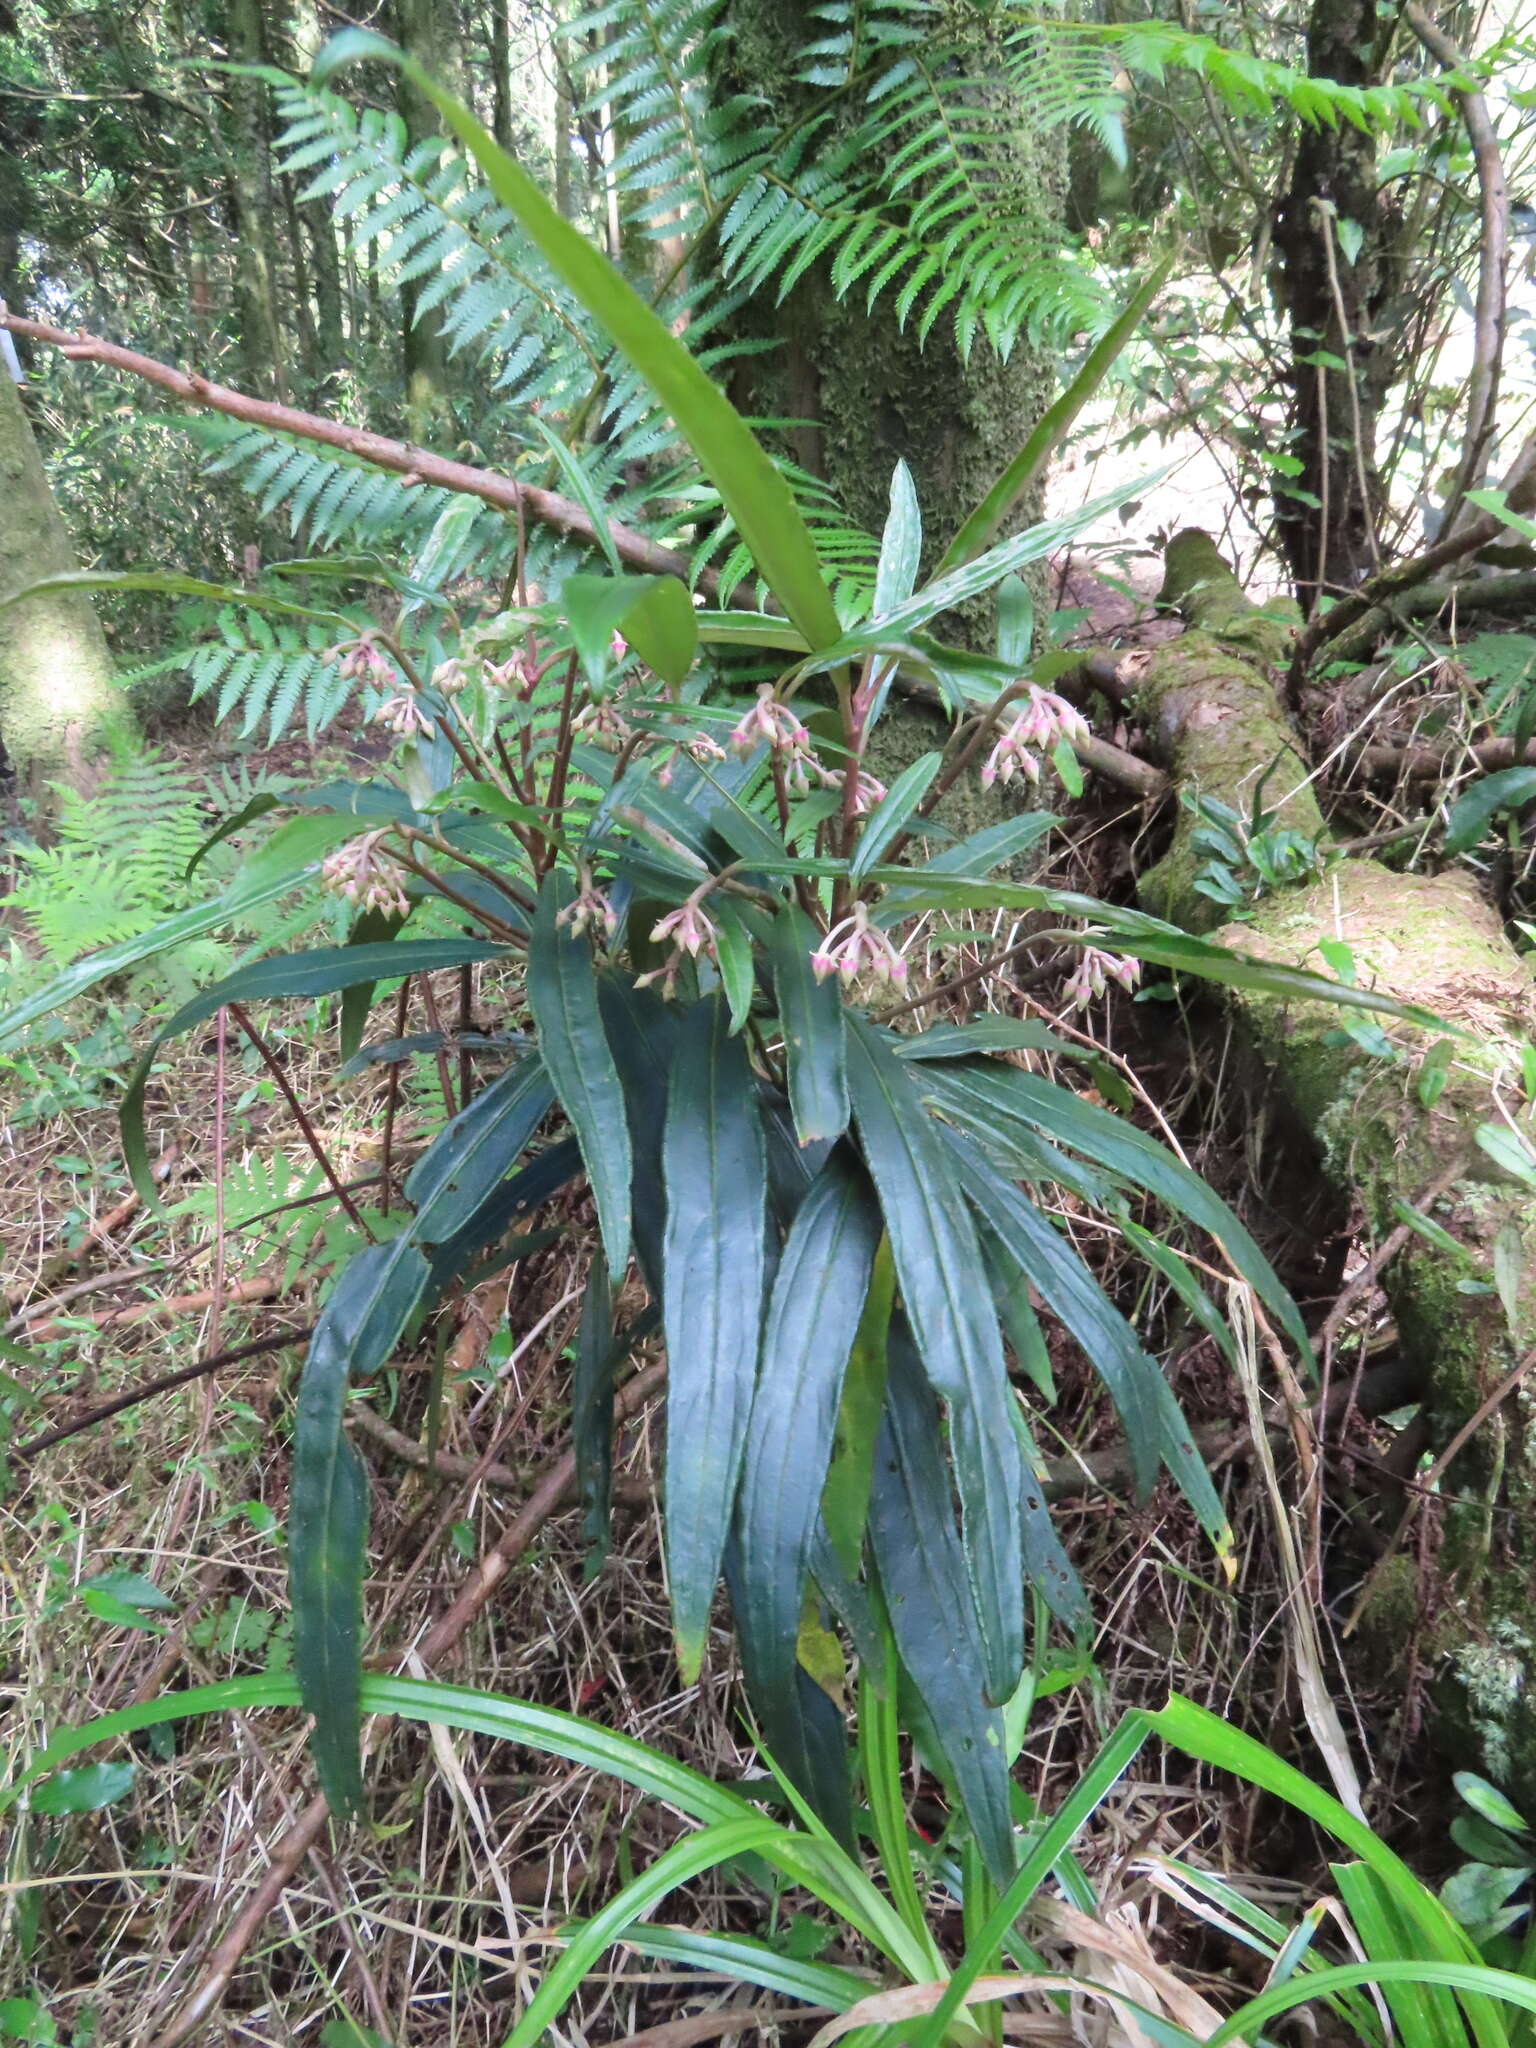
(1431, 940)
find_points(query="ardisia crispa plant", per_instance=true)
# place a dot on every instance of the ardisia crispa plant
(699, 899)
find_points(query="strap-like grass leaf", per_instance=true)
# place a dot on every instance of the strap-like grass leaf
(815, 1039)
(319, 972)
(985, 1034)
(642, 1030)
(923, 1577)
(359, 1327)
(562, 994)
(1155, 1427)
(753, 491)
(942, 1278)
(813, 1315)
(712, 1304)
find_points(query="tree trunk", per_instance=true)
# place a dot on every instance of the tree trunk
(426, 31)
(58, 700)
(252, 202)
(1463, 1293)
(1329, 514)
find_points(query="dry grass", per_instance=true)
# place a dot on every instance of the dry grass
(427, 1927)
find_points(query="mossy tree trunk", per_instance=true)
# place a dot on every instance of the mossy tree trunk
(1464, 1293)
(426, 30)
(59, 701)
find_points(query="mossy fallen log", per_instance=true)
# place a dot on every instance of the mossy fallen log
(1385, 1128)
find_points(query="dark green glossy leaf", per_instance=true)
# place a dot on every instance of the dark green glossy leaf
(815, 1038)
(319, 972)
(939, 1269)
(86, 1790)
(1155, 1427)
(735, 960)
(985, 1034)
(473, 1154)
(258, 807)
(814, 1312)
(373, 928)
(845, 1497)
(923, 1577)
(712, 1304)
(562, 994)
(592, 1416)
(642, 1030)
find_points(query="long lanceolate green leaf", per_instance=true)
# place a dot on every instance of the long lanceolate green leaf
(923, 1577)
(976, 1092)
(716, 1175)
(755, 494)
(359, 1327)
(813, 1316)
(1155, 1427)
(319, 972)
(815, 1035)
(562, 994)
(939, 1268)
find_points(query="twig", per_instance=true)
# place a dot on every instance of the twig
(274, 1067)
(1426, 761)
(263, 1287)
(1492, 266)
(398, 457)
(105, 1227)
(149, 1388)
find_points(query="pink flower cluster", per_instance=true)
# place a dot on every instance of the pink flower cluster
(1095, 971)
(589, 911)
(362, 873)
(1030, 736)
(360, 661)
(404, 716)
(855, 947)
(691, 931)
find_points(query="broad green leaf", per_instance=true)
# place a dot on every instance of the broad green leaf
(1475, 810)
(712, 1304)
(1488, 1801)
(1015, 622)
(132, 1588)
(845, 1497)
(991, 846)
(322, 971)
(86, 1790)
(592, 1416)
(1117, 1145)
(815, 1037)
(118, 1613)
(939, 1268)
(894, 812)
(1028, 466)
(754, 493)
(1155, 1427)
(359, 1327)
(901, 545)
(735, 960)
(985, 1034)
(562, 994)
(643, 1031)
(372, 928)
(923, 1578)
(813, 1315)
(654, 613)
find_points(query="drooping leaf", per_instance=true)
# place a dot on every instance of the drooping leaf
(894, 812)
(939, 1268)
(562, 994)
(815, 1039)
(372, 928)
(813, 1315)
(923, 1577)
(1475, 810)
(654, 613)
(985, 1034)
(712, 1304)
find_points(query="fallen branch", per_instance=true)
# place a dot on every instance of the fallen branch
(149, 1388)
(263, 1287)
(400, 458)
(1427, 761)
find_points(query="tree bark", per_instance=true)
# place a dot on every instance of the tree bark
(1328, 515)
(59, 702)
(426, 31)
(1464, 1299)
(252, 202)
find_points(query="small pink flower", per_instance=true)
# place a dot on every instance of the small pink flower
(604, 725)
(868, 789)
(618, 647)
(700, 748)
(856, 947)
(689, 929)
(362, 873)
(1031, 735)
(589, 911)
(403, 715)
(449, 677)
(1095, 971)
(360, 661)
(772, 724)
